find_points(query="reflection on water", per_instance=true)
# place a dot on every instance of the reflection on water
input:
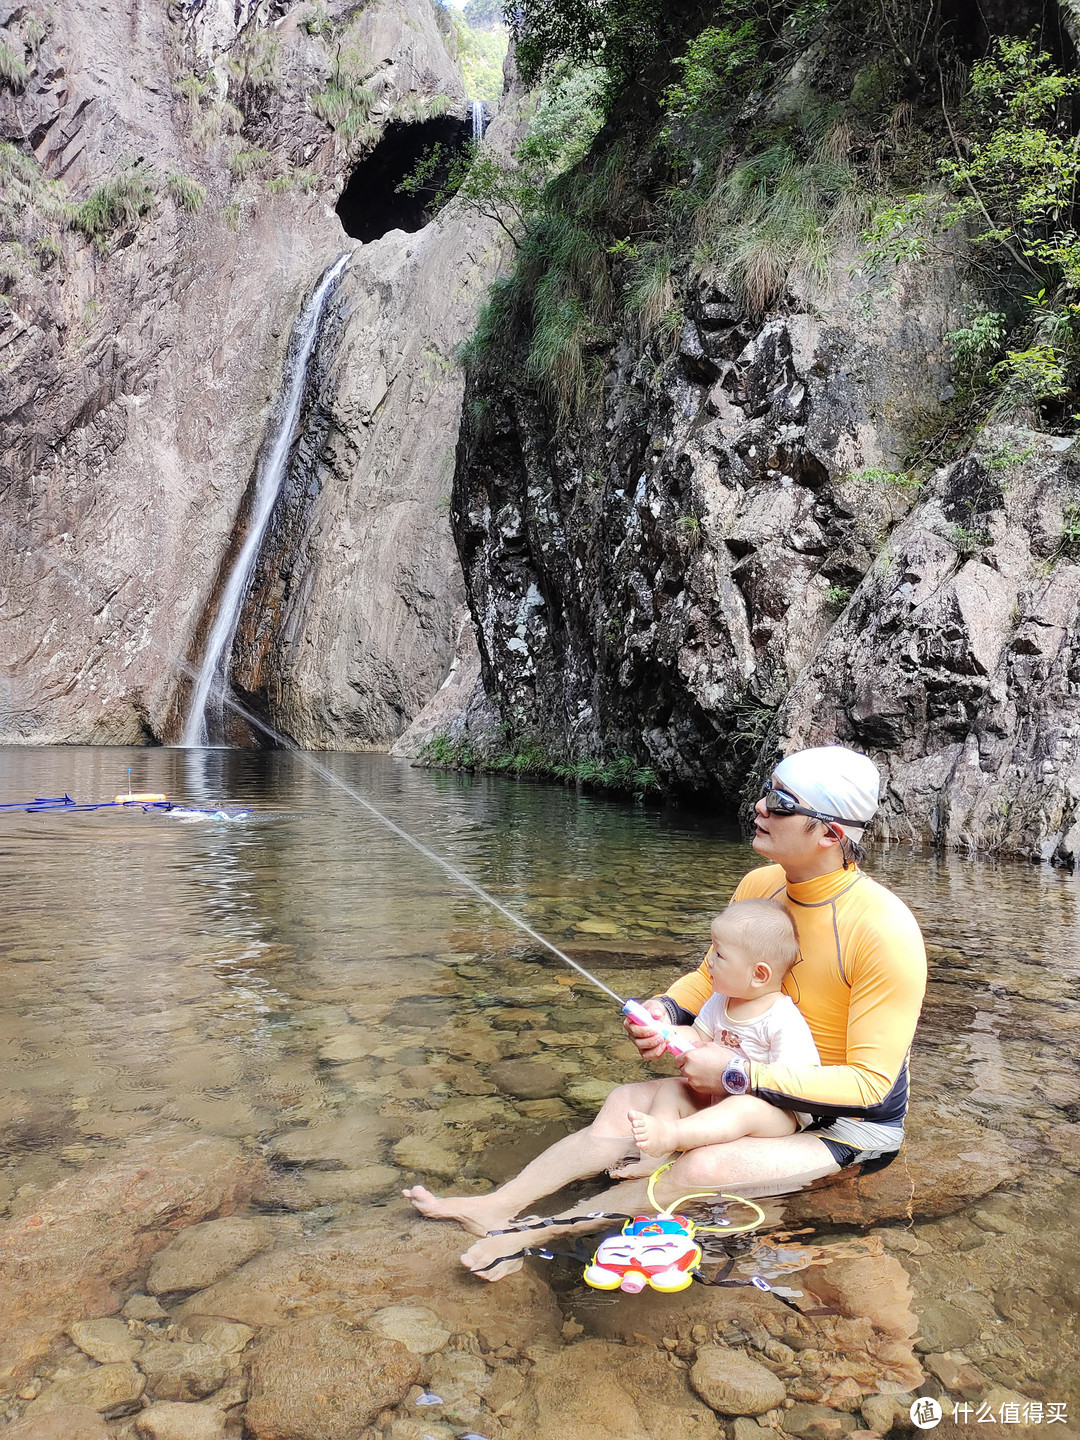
(303, 982)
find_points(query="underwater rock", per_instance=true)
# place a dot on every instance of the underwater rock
(589, 1094)
(106, 1341)
(528, 1079)
(427, 1155)
(934, 1174)
(67, 1422)
(170, 1421)
(818, 1422)
(176, 1370)
(323, 1187)
(413, 1326)
(87, 1237)
(204, 1253)
(143, 1307)
(109, 1389)
(372, 1266)
(733, 1384)
(608, 1392)
(316, 1379)
(227, 1336)
(331, 1144)
(461, 1381)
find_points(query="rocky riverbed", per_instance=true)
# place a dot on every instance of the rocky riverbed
(233, 1045)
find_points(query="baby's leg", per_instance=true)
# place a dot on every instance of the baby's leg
(737, 1117)
(672, 1101)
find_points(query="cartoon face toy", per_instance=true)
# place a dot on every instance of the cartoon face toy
(659, 1251)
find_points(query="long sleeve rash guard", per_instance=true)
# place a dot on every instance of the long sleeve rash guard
(859, 983)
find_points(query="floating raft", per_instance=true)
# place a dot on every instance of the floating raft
(46, 804)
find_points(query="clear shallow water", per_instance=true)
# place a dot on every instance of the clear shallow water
(248, 978)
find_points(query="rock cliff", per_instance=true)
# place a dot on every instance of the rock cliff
(170, 181)
(745, 539)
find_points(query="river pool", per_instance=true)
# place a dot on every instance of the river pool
(302, 970)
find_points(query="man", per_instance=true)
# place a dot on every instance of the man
(859, 984)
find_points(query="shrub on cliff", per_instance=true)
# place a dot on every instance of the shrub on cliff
(116, 203)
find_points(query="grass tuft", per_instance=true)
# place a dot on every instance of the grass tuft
(13, 73)
(115, 204)
(187, 193)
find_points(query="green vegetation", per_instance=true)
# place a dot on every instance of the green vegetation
(319, 23)
(621, 774)
(1003, 457)
(187, 193)
(116, 204)
(33, 211)
(255, 65)
(347, 99)
(624, 38)
(243, 162)
(483, 14)
(970, 539)
(481, 52)
(896, 479)
(1013, 186)
(837, 597)
(1070, 530)
(212, 117)
(13, 73)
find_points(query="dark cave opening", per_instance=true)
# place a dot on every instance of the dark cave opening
(371, 204)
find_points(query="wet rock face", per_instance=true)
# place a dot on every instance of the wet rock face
(656, 581)
(317, 1380)
(957, 665)
(88, 1236)
(143, 369)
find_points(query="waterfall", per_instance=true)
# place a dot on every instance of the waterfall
(477, 107)
(213, 675)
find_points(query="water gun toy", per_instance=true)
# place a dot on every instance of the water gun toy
(64, 804)
(640, 1016)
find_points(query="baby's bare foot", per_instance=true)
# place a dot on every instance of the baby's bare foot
(652, 1135)
(475, 1213)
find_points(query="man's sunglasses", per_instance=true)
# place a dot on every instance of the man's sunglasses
(779, 802)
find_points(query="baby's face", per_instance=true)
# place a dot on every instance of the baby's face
(731, 968)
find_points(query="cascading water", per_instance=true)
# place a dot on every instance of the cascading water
(212, 679)
(478, 121)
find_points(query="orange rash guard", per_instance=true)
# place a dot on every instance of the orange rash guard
(859, 983)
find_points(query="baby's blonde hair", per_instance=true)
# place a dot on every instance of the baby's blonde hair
(765, 930)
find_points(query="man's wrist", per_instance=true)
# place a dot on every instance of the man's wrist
(676, 1014)
(736, 1076)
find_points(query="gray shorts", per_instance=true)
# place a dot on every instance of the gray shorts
(851, 1141)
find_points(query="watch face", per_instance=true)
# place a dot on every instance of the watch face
(735, 1081)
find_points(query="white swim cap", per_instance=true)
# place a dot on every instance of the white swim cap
(835, 780)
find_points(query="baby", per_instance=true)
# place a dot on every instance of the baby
(754, 945)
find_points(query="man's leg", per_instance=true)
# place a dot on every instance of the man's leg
(736, 1118)
(574, 1157)
(750, 1167)
(673, 1101)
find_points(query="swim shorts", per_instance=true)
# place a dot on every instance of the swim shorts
(853, 1142)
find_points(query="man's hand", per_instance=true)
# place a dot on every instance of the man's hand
(649, 1044)
(703, 1067)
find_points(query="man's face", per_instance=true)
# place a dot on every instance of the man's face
(785, 839)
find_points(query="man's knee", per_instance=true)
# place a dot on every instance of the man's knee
(625, 1097)
(698, 1168)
